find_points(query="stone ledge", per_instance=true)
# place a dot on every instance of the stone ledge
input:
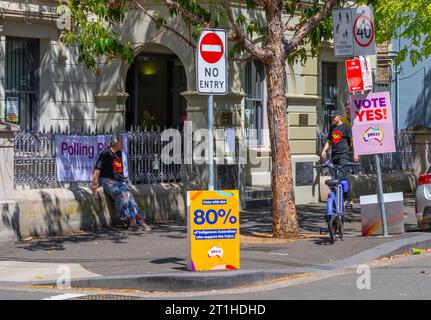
(45, 212)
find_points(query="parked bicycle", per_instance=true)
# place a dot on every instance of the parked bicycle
(338, 185)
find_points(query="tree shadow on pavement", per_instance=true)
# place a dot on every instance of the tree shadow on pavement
(172, 260)
(115, 235)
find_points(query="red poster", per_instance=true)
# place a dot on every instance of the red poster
(354, 75)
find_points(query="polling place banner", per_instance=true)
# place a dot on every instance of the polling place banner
(77, 155)
(372, 127)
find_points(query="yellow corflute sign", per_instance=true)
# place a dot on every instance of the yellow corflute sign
(213, 230)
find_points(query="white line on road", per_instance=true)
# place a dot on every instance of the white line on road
(66, 296)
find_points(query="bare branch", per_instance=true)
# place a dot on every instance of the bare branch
(175, 5)
(243, 59)
(294, 8)
(164, 25)
(308, 27)
(246, 43)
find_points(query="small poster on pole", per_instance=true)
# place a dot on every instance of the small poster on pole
(358, 73)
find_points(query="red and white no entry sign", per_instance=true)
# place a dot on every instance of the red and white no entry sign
(211, 48)
(211, 60)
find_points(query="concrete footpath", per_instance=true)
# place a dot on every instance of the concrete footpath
(121, 259)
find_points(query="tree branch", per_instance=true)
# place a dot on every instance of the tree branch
(290, 45)
(246, 43)
(145, 11)
(243, 59)
(175, 5)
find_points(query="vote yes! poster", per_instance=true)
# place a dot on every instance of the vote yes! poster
(372, 127)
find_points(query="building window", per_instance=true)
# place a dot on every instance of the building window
(22, 64)
(254, 88)
(329, 92)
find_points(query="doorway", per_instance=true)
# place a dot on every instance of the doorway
(154, 84)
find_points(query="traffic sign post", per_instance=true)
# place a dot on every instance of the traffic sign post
(343, 39)
(211, 79)
(211, 75)
(363, 32)
(354, 32)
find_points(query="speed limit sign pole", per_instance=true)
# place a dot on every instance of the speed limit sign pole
(211, 79)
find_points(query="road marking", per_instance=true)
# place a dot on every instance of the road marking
(66, 296)
(23, 271)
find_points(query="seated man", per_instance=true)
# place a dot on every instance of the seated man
(108, 173)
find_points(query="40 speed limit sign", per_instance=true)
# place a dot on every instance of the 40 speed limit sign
(363, 32)
(354, 32)
(213, 230)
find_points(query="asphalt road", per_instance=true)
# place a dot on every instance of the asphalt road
(402, 278)
(408, 278)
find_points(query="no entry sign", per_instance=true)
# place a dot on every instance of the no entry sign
(211, 75)
(211, 48)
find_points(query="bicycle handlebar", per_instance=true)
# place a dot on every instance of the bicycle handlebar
(336, 167)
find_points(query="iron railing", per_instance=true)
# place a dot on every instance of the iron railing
(401, 160)
(35, 165)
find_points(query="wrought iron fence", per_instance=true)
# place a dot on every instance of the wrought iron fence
(35, 163)
(401, 160)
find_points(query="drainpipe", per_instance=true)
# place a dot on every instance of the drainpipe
(397, 92)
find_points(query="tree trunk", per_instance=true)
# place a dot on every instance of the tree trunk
(283, 204)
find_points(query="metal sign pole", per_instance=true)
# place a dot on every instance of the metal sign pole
(380, 196)
(210, 142)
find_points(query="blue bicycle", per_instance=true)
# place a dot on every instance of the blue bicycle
(335, 204)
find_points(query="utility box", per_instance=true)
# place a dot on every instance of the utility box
(371, 217)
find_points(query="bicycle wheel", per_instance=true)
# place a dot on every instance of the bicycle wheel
(332, 229)
(340, 227)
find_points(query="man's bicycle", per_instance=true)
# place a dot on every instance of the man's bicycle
(335, 204)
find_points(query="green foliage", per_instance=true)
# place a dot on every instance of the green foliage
(148, 121)
(410, 19)
(94, 25)
(92, 30)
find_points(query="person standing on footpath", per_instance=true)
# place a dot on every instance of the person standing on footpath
(340, 139)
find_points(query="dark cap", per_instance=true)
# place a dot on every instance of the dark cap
(336, 113)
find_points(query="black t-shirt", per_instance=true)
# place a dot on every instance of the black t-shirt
(110, 165)
(340, 137)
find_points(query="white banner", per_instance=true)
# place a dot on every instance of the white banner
(76, 156)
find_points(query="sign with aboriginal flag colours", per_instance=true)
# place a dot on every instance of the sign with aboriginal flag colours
(213, 230)
(372, 127)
